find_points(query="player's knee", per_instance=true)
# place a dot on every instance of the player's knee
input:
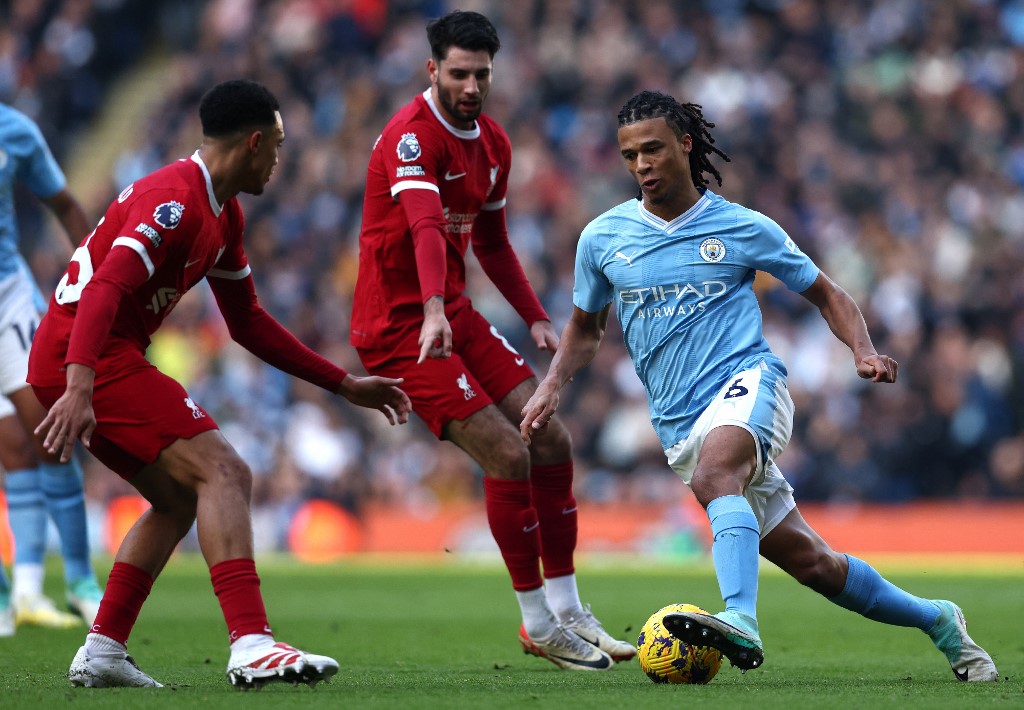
(553, 444)
(819, 569)
(510, 459)
(176, 503)
(231, 472)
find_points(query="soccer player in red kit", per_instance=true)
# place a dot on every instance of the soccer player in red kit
(435, 184)
(162, 236)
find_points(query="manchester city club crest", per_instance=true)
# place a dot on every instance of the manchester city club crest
(712, 250)
(409, 148)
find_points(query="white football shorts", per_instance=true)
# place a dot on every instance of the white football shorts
(18, 321)
(757, 400)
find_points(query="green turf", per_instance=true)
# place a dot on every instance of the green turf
(415, 635)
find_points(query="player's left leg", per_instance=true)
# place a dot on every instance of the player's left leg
(551, 477)
(62, 490)
(26, 511)
(726, 460)
(855, 585)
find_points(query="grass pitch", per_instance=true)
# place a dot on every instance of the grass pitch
(411, 634)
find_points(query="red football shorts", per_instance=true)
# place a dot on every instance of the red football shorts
(482, 370)
(138, 415)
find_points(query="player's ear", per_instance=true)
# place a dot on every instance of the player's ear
(254, 141)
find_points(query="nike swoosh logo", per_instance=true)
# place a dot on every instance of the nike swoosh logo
(448, 176)
(566, 511)
(520, 361)
(530, 528)
(599, 663)
(961, 675)
(192, 263)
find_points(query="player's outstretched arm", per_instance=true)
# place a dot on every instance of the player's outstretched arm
(581, 338)
(380, 393)
(844, 317)
(68, 211)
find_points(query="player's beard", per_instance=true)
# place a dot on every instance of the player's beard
(452, 107)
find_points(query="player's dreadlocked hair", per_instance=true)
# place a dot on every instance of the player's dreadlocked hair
(682, 118)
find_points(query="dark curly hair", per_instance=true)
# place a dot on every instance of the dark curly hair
(683, 119)
(236, 105)
(462, 29)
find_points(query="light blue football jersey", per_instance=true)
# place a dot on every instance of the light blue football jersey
(685, 298)
(24, 158)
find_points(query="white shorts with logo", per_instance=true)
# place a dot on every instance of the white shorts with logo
(757, 400)
(18, 321)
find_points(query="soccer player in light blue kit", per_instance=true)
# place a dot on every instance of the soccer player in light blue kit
(679, 263)
(36, 483)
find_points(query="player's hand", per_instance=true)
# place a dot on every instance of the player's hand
(538, 411)
(878, 368)
(544, 335)
(436, 333)
(380, 393)
(71, 418)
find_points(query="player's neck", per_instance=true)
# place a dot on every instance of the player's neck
(674, 206)
(220, 165)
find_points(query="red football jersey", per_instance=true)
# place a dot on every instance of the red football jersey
(171, 219)
(419, 150)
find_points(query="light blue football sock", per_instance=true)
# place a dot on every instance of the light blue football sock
(737, 539)
(65, 500)
(871, 595)
(26, 512)
(5, 588)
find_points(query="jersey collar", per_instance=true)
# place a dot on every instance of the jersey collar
(214, 205)
(472, 133)
(680, 221)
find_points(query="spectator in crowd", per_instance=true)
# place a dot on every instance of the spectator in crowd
(885, 138)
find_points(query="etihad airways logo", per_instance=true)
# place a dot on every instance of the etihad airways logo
(672, 300)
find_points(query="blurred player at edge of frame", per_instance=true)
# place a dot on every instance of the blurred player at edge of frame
(436, 182)
(679, 263)
(38, 485)
(160, 237)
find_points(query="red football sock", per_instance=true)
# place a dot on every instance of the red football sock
(237, 587)
(551, 487)
(126, 591)
(513, 523)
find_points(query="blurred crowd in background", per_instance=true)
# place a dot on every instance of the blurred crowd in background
(885, 136)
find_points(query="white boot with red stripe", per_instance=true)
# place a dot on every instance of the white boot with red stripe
(257, 660)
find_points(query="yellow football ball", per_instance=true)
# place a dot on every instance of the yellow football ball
(666, 659)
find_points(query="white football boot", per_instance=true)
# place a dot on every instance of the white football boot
(968, 660)
(118, 671)
(566, 650)
(278, 663)
(585, 625)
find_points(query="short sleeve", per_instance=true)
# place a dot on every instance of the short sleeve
(592, 291)
(772, 250)
(39, 172)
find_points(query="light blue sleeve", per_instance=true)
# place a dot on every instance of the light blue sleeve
(770, 249)
(592, 291)
(39, 171)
